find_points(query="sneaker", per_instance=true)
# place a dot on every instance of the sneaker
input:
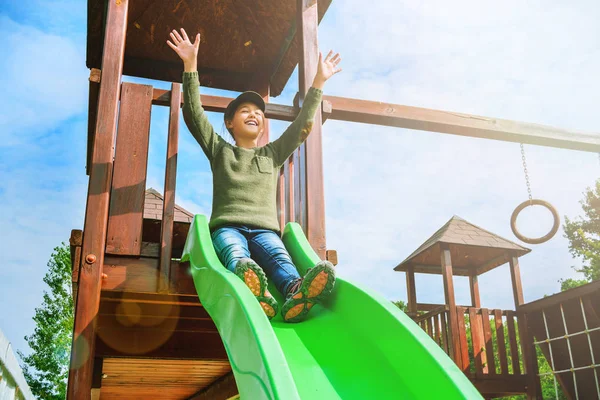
(256, 280)
(315, 287)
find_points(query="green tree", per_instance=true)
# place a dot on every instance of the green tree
(401, 305)
(583, 234)
(46, 368)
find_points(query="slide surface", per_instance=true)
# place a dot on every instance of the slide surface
(357, 346)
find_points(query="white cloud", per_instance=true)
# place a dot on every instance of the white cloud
(387, 190)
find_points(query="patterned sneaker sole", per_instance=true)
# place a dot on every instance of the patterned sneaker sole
(256, 280)
(316, 287)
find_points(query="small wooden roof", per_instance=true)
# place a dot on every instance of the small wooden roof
(243, 42)
(473, 250)
(153, 207)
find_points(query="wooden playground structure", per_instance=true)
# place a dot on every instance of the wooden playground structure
(141, 331)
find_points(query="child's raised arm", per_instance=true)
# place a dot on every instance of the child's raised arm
(299, 130)
(193, 113)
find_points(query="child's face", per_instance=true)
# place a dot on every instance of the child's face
(248, 122)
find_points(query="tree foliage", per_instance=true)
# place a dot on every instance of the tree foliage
(583, 234)
(46, 368)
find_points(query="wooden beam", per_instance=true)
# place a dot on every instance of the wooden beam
(451, 303)
(307, 22)
(474, 285)
(96, 218)
(378, 113)
(423, 119)
(515, 275)
(144, 344)
(411, 289)
(332, 256)
(435, 269)
(168, 214)
(223, 388)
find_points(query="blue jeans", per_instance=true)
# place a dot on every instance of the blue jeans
(264, 246)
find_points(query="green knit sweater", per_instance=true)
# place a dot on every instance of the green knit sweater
(244, 180)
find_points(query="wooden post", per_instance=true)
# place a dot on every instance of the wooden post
(474, 284)
(307, 23)
(451, 303)
(411, 289)
(168, 215)
(527, 346)
(264, 91)
(96, 217)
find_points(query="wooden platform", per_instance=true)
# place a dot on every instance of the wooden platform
(152, 344)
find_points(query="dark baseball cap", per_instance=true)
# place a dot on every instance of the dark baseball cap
(246, 97)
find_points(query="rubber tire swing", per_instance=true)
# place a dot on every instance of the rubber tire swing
(537, 202)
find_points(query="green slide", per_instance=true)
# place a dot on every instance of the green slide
(357, 346)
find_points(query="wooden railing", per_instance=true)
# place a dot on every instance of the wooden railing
(489, 352)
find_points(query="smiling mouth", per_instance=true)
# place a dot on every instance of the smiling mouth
(252, 123)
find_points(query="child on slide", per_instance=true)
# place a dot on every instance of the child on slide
(243, 222)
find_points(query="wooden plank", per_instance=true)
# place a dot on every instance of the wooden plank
(307, 23)
(478, 342)
(496, 386)
(474, 285)
(445, 343)
(223, 388)
(129, 179)
(453, 314)
(411, 289)
(489, 344)
(332, 256)
(141, 275)
(94, 91)
(429, 322)
(462, 346)
(299, 198)
(530, 362)
(179, 345)
(166, 233)
(501, 342)
(373, 112)
(436, 329)
(96, 218)
(512, 340)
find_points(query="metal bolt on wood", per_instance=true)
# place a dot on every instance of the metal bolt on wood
(90, 258)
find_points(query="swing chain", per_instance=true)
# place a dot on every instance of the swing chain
(526, 172)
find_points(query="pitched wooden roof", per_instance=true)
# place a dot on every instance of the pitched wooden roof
(153, 206)
(474, 250)
(243, 42)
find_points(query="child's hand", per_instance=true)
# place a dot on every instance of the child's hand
(185, 49)
(326, 69)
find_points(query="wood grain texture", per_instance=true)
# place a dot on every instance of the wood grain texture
(454, 317)
(134, 378)
(168, 215)
(501, 340)
(96, 218)
(312, 151)
(129, 179)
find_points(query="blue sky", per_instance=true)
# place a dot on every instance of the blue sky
(387, 190)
